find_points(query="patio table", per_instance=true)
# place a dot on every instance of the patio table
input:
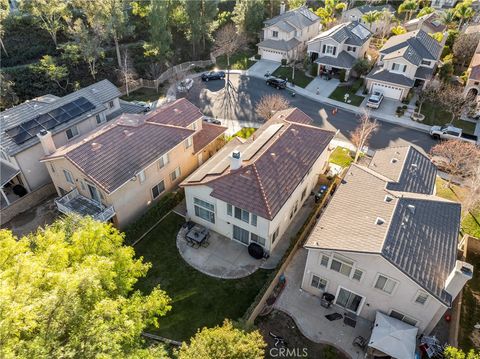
(197, 234)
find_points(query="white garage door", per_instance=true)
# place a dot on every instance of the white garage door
(272, 55)
(388, 91)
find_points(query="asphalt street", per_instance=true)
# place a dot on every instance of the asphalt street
(246, 91)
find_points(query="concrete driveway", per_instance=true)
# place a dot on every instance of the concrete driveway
(261, 67)
(325, 87)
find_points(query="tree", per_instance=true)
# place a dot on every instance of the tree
(362, 134)
(248, 15)
(409, 7)
(429, 93)
(55, 72)
(387, 17)
(471, 202)
(160, 42)
(293, 4)
(224, 341)
(452, 99)
(193, 23)
(448, 18)
(208, 11)
(464, 11)
(8, 97)
(464, 47)
(127, 73)
(361, 66)
(328, 12)
(4, 12)
(437, 36)
(457, 157)
(51, 15)
(455, 353)
(445, 72)
(398, 30)
(425, 11)
(67, 291)
(371, 17)
(270, 104)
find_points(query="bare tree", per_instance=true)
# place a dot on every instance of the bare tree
(458, 158)
(471, 202)
(269, 104)
(229, 40)
(127, 73)
(429, 93)
(452, 99)
(464, 47)
(361, 135)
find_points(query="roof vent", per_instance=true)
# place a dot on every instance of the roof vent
(96, 146)
(388, 198)
(94, 90)
(127, 133)
(177, 111)
(411, 208)
(379, 221)
(394, 160)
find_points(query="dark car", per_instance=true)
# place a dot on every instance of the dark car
(213, 75)
(277, 83)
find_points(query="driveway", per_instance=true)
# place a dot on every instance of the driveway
(324, 87)
(261, 67)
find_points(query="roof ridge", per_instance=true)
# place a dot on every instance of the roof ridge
(262, 190)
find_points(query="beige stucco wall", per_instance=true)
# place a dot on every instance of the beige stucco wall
(409, 72)
(402, 299)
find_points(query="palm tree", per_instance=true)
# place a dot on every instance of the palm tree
(408, 6)
(449, 19)
(464, 11)
(425, 11)
(371, 17)
(398, 30)
(328, 12)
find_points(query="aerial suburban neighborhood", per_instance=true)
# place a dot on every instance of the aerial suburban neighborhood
(244, 179)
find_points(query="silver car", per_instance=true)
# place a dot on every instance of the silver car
(375, 99)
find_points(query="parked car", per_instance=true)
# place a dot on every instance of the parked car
(449, 132)
(277, 83)
(375, 99)
(213, 75)
(145, 105)
(212, 120)
(185, 85)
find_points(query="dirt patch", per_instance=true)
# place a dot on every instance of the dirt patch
(297, 345)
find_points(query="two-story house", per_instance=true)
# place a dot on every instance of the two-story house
(250, 190)
(472, 86)
(443, 4)
(339, 47)
(66, 118)
(285, 36)
(120, 170)
(405, 61)
(357, 13)
(386, 243)
(430, 23)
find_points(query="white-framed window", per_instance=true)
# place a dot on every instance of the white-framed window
(194, 126)
(341, 265)
(164, 160)
(100, 119)
(141, 176)
(175, 174)
(111, 104)
(357, 275)
(71, 132)
(426, 62)
(253, 220)
(274, 33)
(242, 215)
(318, 282)
(188, 142)
(324, 260)
(158, 189)
(257, 239)
(82, 184)
(68, 176)
(329, 49)
(351, 48)
(275, 234)
(399, 67)
(421, 298)
(240, 234)
(385, 284)
(52, 167)
(404, 318)
(204, 209)
(229, 209)
(304, 193)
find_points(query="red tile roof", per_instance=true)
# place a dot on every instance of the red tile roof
(178, 113)
(292, 115)
(208, 133)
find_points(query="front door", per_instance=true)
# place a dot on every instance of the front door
(94, 193)
(241, 235)
(349, 300)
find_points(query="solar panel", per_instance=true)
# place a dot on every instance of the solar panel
(64, 117)
(361, 31)
(29, 124)
(22, 137)
(75, 111)
(50, 124)
(44, 118)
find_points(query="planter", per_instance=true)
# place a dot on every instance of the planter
(418, 117)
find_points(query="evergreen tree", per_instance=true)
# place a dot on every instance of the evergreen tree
(160, 44)
(248, 15)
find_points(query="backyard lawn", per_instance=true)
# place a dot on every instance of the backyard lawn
(435, 115)
(339, 93)
(468, 337)
(198, 300)
(341, 156)
(238, 61)
(245, 132)
(144, 94)
(285, 72)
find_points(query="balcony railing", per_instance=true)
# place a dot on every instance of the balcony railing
(74, 202)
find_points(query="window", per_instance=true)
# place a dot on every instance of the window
(318, 282)
(194, 126)
(68, 176)
(52, 167)
(229, 209)
(341, 265)
(257, 239)
(254, 220)
(330, 50)
(351, 48)
(421, 298)
(275, 235)
(111, 104)
(304, 193)
(164, 160)
(274, 33)
(141, 176)
(324, 260)
(385, 284)
(82, 184)
(403, 317)
(204, 210)
(240, 234)
(399, 67)
(348, 300)
(158, 189)
(357, 275)
(242, 214)
(100, 119)
(175, 174)
(71, 132)
(188, 142)
(426, 63)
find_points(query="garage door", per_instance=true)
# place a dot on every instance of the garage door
(272, 55)
(388, 91)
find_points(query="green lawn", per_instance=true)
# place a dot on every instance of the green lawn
(238, 61)
(470, 309)
(341, 156)
(245, 132)
(285, 72)
(144, 94)
(436, 115)
(197, 299)
(339, 94)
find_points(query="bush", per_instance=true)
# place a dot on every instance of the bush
(404, 107)
(258, 56)
(342, 75)
(357, 84)
(314, 69)
(284, 62)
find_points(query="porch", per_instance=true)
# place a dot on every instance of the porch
(74, 202)
(11, 185)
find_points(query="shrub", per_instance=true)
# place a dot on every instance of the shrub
(357, 84)
(342, 75)
(314, 69)
(258, 56)
(404, 107)
(284, 62)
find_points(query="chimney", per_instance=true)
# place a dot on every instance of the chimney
(462, 273)
(282, 7)
(235, 161)
(46, 140)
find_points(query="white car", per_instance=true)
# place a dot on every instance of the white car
(185, 85)
(375, 99)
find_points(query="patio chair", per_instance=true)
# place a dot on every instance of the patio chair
(360, 342)
(196, 245)
(205, 243)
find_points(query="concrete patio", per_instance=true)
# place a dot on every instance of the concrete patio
(325, 87)
(309, 315)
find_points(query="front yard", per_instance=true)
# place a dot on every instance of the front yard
(198, 300)
(285, 72)
(341, 156)
(339, 93)
(238, 61)
(144, 94)
(436, 115)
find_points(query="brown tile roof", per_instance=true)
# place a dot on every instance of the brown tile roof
(265, 184)
(208, 134)
(178, 113)
(292, 115)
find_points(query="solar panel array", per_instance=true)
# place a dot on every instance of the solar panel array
(49, 120)
(361, 32)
